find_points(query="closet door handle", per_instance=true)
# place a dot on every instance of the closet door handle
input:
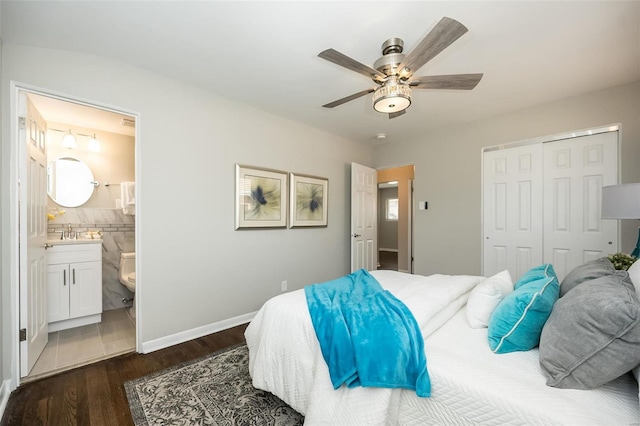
(74, 276)
(64, 277)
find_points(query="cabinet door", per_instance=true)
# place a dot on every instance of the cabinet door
(57, 292)
(85, 294)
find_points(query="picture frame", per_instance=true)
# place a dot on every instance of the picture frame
(261, 197)
(308, 201)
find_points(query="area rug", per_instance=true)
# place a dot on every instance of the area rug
(212, 390)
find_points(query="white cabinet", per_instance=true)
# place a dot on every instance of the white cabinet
(74, 285)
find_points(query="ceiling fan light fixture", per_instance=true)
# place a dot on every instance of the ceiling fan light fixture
(392, 97)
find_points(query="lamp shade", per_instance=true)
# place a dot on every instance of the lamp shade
(621, 201)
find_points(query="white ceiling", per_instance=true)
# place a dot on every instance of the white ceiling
(265, 53)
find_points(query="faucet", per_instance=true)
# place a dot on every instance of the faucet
(69, 237)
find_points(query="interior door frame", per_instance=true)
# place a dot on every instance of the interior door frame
(14, 255)
(396, 173)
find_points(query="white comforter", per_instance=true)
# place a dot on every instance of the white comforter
(285, 357)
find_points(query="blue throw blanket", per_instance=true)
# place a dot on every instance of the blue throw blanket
(367, 336)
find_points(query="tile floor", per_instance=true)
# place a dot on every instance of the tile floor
(74, 347)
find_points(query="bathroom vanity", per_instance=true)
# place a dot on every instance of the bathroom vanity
(74, 283)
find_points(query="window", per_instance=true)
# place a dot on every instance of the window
(392, 209)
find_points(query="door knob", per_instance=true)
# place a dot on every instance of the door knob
(356, 235)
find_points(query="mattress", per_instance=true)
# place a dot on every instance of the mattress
(472, 385)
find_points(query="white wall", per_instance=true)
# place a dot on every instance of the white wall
(447, 235)
(195, 269)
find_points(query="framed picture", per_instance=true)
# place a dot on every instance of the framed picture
(261, 198)
(309, 195)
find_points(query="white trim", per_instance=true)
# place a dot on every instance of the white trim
(4, 395)
(558, 137)
(194, 333)
(14, 214)
(388, 249)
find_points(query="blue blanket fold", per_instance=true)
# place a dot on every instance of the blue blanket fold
(367, 336)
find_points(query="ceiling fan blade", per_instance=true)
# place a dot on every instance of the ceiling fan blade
(396, 114)
(441, 36)
(348, 98)
(338, 58)
(451, 82)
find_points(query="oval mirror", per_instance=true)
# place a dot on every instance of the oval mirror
(69, 182)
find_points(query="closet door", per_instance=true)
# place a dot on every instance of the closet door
(575, 170)
(512, 209)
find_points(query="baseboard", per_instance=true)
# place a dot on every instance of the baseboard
(194, 333)
(4, 395)
(388, 249)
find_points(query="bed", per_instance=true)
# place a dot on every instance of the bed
(469, 383)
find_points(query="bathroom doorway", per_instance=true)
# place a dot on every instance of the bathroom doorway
(90, 152)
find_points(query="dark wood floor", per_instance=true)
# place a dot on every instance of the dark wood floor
(388, 260)
(94, 394)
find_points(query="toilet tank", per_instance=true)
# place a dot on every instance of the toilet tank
(127, 264)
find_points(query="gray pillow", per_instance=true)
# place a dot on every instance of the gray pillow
(593, 334)
(589, 271)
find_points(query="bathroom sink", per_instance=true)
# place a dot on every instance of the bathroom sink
(57, 242)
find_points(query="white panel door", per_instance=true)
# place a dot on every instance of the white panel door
(33, 234)
(364, 229)
(575, 172)
(512, 210)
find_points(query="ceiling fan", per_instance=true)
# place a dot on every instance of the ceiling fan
(393, 72)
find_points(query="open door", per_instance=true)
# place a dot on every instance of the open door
(33, 234)
(364, 230)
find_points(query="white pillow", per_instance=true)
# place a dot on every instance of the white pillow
(634, 274)
(485, 296)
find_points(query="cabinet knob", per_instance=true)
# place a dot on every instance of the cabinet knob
(47, 245)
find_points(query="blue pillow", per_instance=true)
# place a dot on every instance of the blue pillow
(517, 321)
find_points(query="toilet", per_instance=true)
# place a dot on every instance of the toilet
(127, 275)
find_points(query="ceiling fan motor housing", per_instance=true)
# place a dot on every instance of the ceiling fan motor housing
(391, 58)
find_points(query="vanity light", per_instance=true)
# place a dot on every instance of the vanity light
(69, 141)
(94, 144)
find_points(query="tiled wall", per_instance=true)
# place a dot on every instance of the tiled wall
(118, 236)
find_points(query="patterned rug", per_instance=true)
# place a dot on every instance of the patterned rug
(212, 390)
